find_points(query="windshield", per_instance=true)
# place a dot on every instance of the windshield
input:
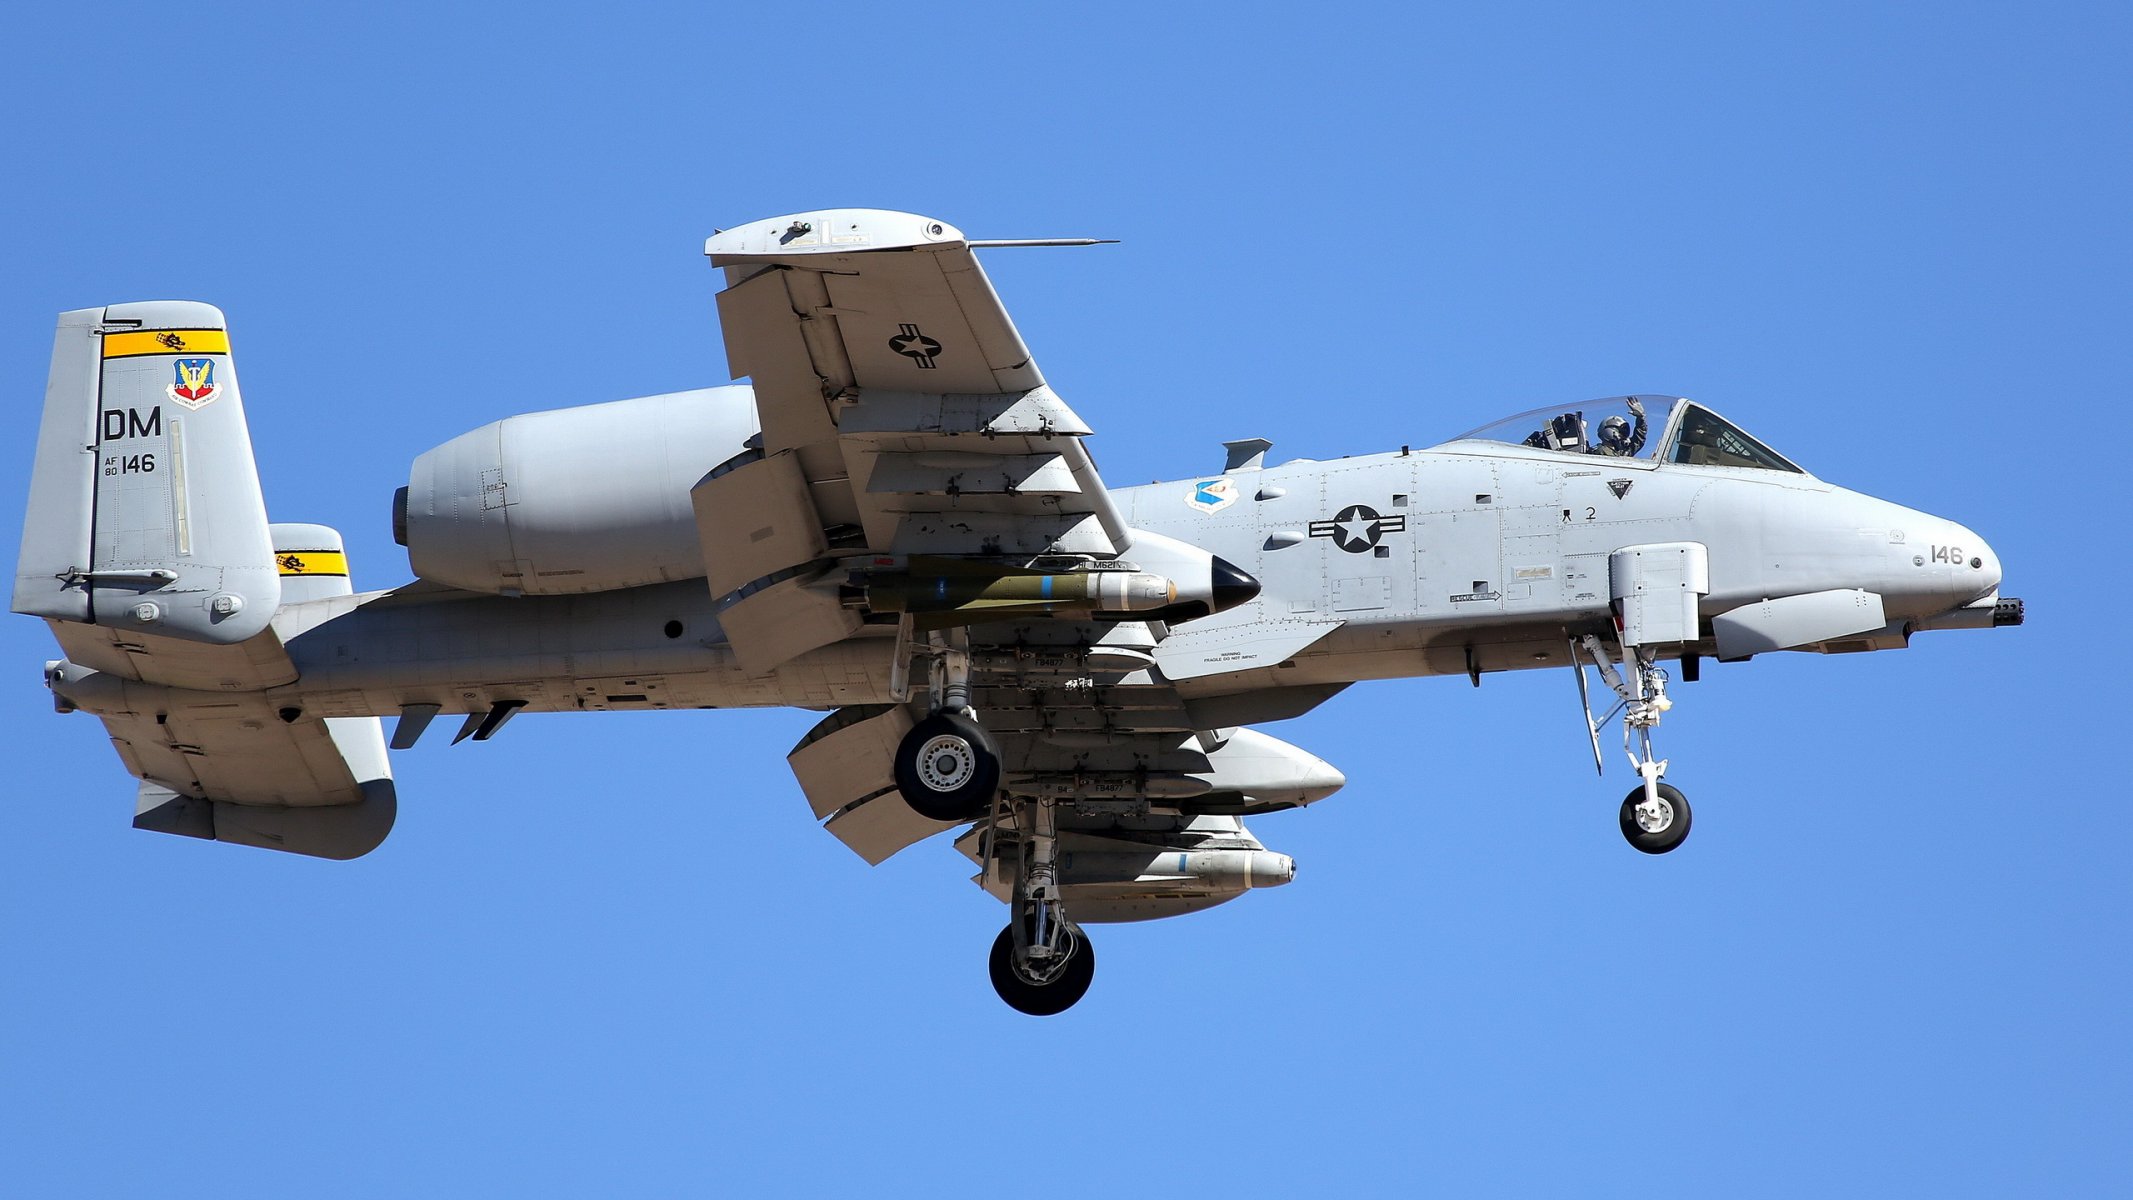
(1617, 427)
(1709, 440)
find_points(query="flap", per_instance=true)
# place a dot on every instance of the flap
(847, 757)
(879, 827)
(772, 624)
(754, 521)
(844, 766)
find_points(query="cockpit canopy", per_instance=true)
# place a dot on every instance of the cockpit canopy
(1651, 428)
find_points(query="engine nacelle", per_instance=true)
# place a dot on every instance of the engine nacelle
(575, 500)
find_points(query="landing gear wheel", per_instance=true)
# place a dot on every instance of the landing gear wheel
(1069, 983)
(947, 769)
(1656, 833)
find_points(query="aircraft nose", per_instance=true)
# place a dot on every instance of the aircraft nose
(1987, 566)
(1953, 565)
(1974, 568)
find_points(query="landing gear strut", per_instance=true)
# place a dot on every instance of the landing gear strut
(947, 768)
(1655, 816)
(1041, 963)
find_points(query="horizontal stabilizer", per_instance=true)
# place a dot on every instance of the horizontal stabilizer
(340, 832)
(237, 767)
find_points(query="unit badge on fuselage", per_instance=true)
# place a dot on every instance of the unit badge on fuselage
(1213, 495)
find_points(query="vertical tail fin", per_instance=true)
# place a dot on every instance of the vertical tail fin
(145, 511)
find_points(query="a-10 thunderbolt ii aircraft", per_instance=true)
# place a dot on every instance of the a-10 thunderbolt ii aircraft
(898, 525)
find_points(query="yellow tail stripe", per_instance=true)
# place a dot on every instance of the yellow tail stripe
(166, 341)
(311, 562)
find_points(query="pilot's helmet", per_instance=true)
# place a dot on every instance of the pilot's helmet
(1614, 429)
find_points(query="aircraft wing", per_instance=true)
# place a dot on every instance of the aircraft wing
(901, 415)
(1079, 712)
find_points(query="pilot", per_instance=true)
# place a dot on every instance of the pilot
(1617, 438)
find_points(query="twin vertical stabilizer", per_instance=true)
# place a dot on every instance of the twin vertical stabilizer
(145, 512)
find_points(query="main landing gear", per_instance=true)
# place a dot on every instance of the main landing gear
(947, 769)
(1655, 815)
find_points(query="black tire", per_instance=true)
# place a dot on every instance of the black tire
(947, 768)
(1656, 841)
(1067, 987)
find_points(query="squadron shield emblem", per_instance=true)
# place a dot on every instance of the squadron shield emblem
(194, 384)
(1213, 495)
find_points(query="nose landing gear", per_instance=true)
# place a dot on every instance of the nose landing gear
(1041, 963)
(1655, 816)
(1655, 824)
(1047, 987)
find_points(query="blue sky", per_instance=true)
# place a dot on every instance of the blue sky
(609, 953)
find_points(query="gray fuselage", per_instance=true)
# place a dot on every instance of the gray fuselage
(1470, 557)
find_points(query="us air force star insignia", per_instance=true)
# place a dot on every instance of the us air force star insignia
(1358, 528)
(1620, 487)
(915, 346)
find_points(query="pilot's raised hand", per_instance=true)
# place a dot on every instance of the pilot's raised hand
(1636, 407)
